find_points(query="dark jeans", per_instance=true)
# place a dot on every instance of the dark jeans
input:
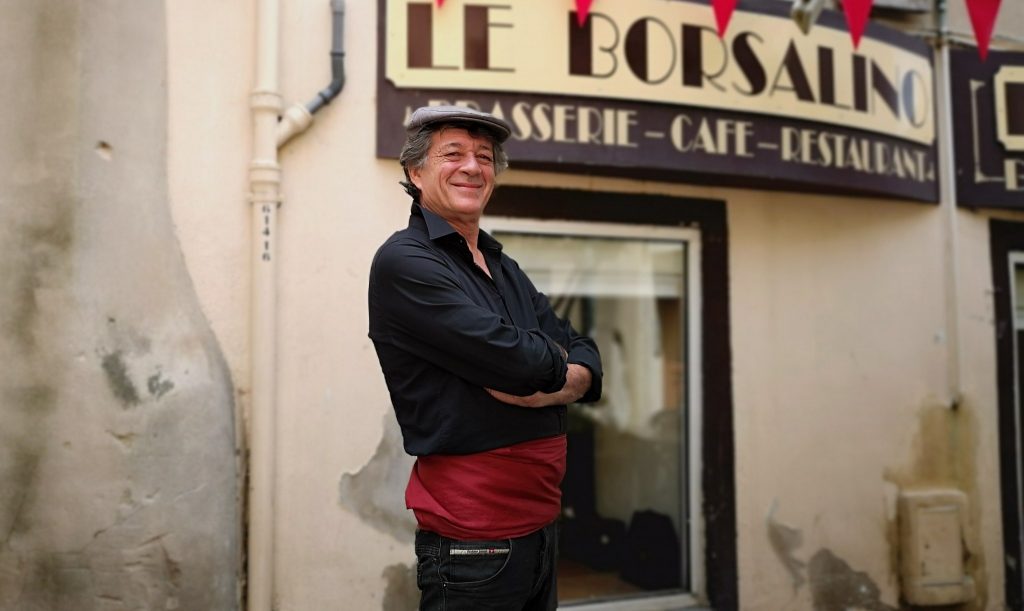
(502, 575)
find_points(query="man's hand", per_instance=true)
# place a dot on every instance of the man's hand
(577, 382)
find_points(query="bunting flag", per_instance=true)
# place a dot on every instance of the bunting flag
(723, 13)
(983, 20)
(440, 3)
(857, 12)
(582, 10)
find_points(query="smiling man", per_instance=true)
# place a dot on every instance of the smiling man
(480, 369)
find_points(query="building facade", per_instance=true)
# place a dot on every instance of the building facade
(801, 261)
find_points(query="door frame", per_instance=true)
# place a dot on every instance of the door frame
(1007, 247)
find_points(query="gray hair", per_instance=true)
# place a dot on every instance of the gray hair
(414, 152)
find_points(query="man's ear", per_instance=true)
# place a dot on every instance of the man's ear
(415, 177)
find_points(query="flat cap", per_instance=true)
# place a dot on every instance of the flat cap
(426, 116)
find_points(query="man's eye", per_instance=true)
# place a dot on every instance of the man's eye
(485, 159)
(453, 156)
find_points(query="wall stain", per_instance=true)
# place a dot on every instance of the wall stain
(945, 451)
(119, 380)
(837, 587)
(20, 454)
(20, 483)
(784, 541)
(158, 387)
(401, 592)
(376, 493)
(43, 246)
(63, 579)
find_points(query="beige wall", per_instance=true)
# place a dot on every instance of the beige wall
(340, 203)
(838, 337)
(118, 476)
(1007, 34)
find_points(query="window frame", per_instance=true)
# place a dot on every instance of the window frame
(693, 546)
(1015, 439)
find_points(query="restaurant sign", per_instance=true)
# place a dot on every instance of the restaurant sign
(647, 88)
(988, 99)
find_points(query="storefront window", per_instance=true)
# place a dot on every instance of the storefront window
(627, 526)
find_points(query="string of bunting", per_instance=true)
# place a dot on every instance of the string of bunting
(857, 13)
(982, 12)
(983, 20)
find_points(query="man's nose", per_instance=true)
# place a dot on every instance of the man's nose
(471, 165)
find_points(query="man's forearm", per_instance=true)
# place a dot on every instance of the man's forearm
(577, 381)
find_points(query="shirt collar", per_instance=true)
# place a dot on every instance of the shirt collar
(438, 228)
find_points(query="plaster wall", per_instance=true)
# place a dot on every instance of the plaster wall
(340, 203)
(1006, 35)
(838, 340)
(841, 400)
(118, 475)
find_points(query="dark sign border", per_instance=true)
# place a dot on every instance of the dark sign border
(975, 128)
(657, 158)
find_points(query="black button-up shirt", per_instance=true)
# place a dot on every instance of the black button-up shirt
(444, 331)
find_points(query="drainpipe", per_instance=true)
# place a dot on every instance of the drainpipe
(298, 117)
(270, 132)
(265, 197)
(948, 204)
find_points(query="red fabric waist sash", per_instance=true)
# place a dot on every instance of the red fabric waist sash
(502, 493)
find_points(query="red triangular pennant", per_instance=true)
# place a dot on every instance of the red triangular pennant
(582, 10)
(440, 3)
(723, 13)
(983, 20)
(857, 12)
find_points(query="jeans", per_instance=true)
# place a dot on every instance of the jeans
(501, 575)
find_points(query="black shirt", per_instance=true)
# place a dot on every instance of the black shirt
(444, 331)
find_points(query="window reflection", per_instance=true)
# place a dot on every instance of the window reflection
(624, 501)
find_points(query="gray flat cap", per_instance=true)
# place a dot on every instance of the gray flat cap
(426, 116)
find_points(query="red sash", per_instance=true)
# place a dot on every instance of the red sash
(503, 493)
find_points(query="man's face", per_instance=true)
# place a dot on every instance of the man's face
(457, 176)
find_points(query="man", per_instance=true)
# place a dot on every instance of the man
(480, 370)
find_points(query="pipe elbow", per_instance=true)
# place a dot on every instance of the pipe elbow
(337, 83)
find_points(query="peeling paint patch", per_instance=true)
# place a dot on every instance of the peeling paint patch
(401, 592)
(127, 440)
(835, 586)
(784, 541)
(104, 150)
(120, 382)
(376, 493)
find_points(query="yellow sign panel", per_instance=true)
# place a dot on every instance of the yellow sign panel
(662, 52)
